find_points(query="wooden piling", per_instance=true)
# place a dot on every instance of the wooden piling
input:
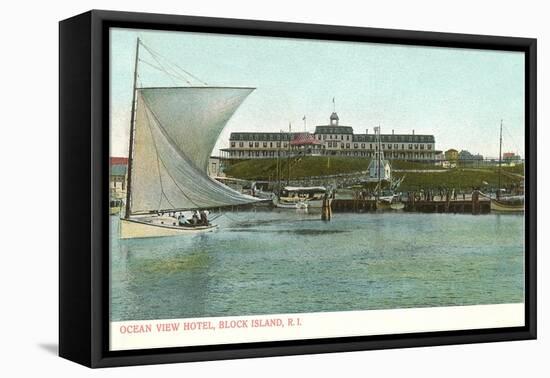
(326, 211)
(475, 202)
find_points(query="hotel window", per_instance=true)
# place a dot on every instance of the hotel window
(278, 144)
(384, 146)
(429, 146)
(421, 146)
(256, 144)
(330, 144)
(241, 144)
(324, 137)
(341, 137)
(402, 146)
(347, 145)
(396, 146)
(416, 146)
(370, 146)
(347, 137)
(389, 146)
(330, 136)
(265, 144)
(410, 146)
(342, 145)
(355, 145)
(232, 144)
(362, 145)
(250, 144)
(285, 145)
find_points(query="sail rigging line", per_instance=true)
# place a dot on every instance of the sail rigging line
(163, 69)
(166, 72)
(158, 56)
(512, 143)
(162, 192)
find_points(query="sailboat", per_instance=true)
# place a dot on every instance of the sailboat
(380, 171)
(508, 204)
(172, 132)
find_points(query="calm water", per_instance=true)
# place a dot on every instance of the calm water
(268, 262)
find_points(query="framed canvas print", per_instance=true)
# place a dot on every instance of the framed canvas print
(234, 188)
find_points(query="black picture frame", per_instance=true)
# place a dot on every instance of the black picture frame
(83, 196)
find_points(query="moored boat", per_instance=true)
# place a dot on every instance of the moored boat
(504, 206)
(507, 204)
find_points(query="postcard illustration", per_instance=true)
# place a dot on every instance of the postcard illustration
(269, 188)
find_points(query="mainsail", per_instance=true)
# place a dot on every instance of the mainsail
(175, 132)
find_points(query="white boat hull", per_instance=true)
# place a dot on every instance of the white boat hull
(292, 205)
(502, 207)
(143, 228)
(315, 204)
(397, 206)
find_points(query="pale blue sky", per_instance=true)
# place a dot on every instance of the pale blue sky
(459, 95)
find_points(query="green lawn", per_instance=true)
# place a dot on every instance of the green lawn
(457, 178)
(263, 169)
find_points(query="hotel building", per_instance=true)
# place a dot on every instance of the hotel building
(331, 139)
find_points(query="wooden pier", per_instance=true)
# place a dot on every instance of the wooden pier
(473, 206)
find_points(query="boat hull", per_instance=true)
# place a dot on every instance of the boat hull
(397, 206)
(114, 210)
(133, 228)
(503, 207)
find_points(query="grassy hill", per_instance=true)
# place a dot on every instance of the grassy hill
(458, 178)
(308, 166)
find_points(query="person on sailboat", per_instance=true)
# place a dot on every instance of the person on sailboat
(203, 218)
(194, 219)
(181, 219)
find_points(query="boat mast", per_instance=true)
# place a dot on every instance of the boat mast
(288, 154)
(499, 160)
(279, 163)
(379, 161)
(132, 131)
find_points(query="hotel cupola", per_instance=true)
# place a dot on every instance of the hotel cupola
(334, 119)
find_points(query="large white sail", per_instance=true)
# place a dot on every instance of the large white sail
(175, 131)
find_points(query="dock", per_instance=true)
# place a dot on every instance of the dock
(481, 206)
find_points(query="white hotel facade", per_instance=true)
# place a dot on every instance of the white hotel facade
(332, 139)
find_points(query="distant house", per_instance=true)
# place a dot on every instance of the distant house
(466, 157)
(118, 176)
(510, 156)
(451, 155)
